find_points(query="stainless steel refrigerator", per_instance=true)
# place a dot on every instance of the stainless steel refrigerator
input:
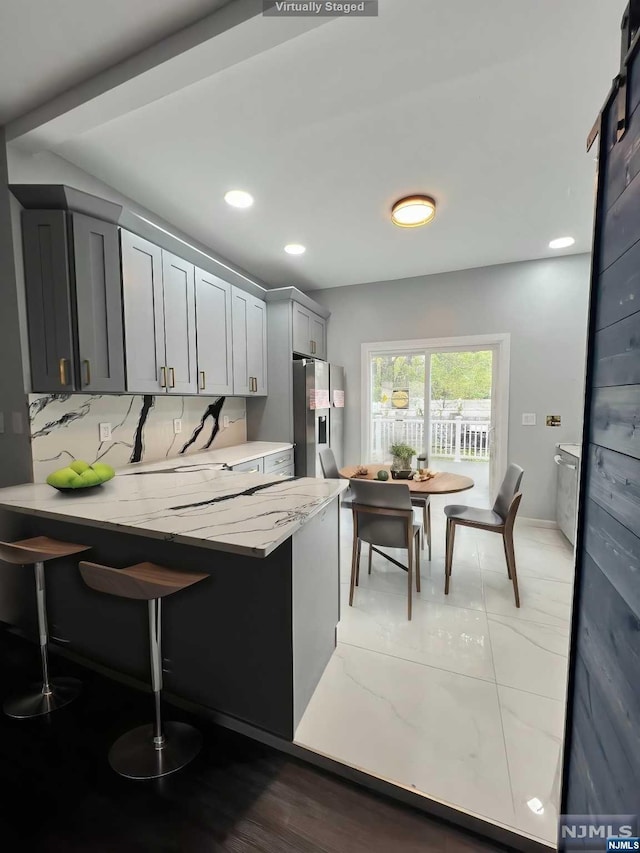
(318, 414)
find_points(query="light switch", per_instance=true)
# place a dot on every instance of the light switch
(528, 419)
(105, 432)
(225, 421)
(177, 426)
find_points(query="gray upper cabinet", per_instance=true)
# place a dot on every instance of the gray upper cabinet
(213, 334)
(159, 319)
(99, 304)
(309, 332)
(74, 307)
(249, 318)
(178, 280)
(143, 314)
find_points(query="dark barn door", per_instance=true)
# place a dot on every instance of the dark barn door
(602, 751)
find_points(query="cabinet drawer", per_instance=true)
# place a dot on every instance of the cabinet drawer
(256, 466)
(278, 460)
(285, 470)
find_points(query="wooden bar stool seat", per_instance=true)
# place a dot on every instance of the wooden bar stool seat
(152, 750)
(52, 693)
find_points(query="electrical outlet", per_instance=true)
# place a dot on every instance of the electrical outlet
(105, 432)
(225, 421)
(528, 419)
(177, 426)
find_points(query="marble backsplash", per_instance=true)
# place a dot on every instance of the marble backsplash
(64, 427)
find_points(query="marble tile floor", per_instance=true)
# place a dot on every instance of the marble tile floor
(464, 704)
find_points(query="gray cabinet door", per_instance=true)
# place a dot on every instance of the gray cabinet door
(318, 337)
(99, 304)
(239, 317)
(257, 345)
(143, 314)
(213, 334)
(178, 280)
(48, 296)
(301, 319)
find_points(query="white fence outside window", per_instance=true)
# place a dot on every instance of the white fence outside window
(454, 438)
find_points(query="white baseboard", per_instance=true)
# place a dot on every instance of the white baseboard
(536, 522)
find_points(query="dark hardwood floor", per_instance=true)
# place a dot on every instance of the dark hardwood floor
(58, 793)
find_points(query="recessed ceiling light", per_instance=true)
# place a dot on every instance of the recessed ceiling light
(238, 198)
(413, 210)
(536, 806)
(562, 243)
(295, 249)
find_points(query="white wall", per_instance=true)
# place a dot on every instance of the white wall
(542, 304)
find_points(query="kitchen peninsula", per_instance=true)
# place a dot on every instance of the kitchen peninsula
(251, 642)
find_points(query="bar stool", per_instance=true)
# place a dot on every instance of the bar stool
(53, 693)
(152, 750)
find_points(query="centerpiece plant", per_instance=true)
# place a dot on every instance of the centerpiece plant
(402, 456)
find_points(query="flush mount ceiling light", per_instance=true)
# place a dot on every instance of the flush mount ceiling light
(295, 249)
(413, 210)
(561, 243)
(238, 198)
(536, 806)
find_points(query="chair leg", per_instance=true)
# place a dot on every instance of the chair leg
(50, 694)
(429, 528)
(506, 554)
(155, 750)
(511, 561)
(370, 556)
(451, 532)
(424, 522)
(409, 577)
(417, 544)
(354, 557)
(358, 562)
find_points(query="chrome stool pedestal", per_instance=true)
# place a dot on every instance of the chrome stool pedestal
(51, 693)
(158, 748)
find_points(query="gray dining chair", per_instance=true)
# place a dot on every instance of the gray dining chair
(330, 472)
(500, 519)
(383, 517)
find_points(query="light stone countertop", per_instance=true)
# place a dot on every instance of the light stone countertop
(188, 500)
(573, 449)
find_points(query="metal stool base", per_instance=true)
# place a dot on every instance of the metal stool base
(135, 756)
(35, 703)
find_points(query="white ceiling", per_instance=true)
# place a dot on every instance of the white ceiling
(47, 47)
(485, 105)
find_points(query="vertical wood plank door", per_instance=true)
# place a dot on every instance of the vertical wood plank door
(99, 305)
(178, 278)
(48, 296)
(239, 317)
(213, 334)
(602, 748)
(257, 344)
(143, 314)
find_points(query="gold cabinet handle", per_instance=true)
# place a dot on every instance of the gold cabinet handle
(203, 380)
(172, 378)
(87, 368)
(62, 368)
(163, 377)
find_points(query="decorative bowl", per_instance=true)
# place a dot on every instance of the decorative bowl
(403, 474)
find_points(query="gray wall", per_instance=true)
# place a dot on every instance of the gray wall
(542, 304)
(15, 452)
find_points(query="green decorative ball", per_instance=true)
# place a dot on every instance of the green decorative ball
(382, 474)
(81, 475)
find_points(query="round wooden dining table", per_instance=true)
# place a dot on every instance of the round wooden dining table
(442, 483)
